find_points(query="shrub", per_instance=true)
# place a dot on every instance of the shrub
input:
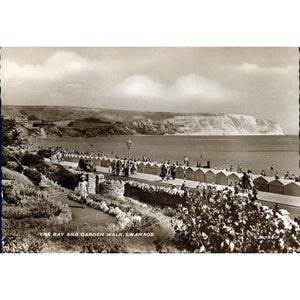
(104, 246)
(7, 156)
(11, 194)
(33, 175)
(32, 118)
(45, 153)
(223, 222)
(21, 242)
(13, 165)
(59, 174)
(31, 160)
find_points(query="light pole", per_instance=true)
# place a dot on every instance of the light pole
(129, 144)
(185, 163)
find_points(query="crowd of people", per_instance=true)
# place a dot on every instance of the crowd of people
(125, 167)
(168, 169)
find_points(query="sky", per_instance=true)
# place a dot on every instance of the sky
(262, 82)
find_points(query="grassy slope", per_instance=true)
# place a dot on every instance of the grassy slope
(62, 113)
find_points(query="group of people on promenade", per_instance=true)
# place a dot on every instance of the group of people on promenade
(168, 169)
(127, 167)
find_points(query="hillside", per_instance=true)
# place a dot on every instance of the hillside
(79, 121)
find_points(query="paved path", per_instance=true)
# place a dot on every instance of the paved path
(263, 196)
(85, 217)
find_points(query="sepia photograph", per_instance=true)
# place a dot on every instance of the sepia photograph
(150, 150)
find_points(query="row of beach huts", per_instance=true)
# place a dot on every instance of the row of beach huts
(221, 177)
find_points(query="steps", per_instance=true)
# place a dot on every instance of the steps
(53, 193)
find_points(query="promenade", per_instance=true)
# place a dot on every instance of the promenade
(268, 198)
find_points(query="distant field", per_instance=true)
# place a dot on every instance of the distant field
(68, 113)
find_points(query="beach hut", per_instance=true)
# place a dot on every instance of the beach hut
(68, 158)
(222, 177)
(262, 183)
(233, 176)
(148, 168)
(180, 172)
(210, 176)
(292, 189)
(189, 173)
(107, 162)
(103, 162)
(277, 186)
(156, 169)
(199, 174)
(72, 158)
(97, 162)
(141, 167)
(75, 158)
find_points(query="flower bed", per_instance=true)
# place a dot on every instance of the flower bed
(124, 218)
(223, 222)
(156, 196)
(24, 207)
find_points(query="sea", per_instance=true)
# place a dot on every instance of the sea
(256, 153)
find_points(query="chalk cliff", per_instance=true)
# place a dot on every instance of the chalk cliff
(227, 124)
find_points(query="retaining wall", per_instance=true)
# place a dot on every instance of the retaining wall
(156, 198)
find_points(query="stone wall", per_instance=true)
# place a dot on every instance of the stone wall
(154, 197)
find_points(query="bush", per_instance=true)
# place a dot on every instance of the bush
(223, 222)
(13, 165)
(32, 118)
(33, 175)
(7, 156)
(11, 194)
(20, 242)
(31, 160)
(59, 174)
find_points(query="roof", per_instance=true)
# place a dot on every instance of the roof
(226, 173)
(294, 182)
(202, 170)
(239, 175)
(214, 171)
(266, 178)
(192, 168)
(282, 181)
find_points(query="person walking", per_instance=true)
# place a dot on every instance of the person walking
(251, 178)
(245, 182)
(163, 171)
(118, 167)
(168, 172)
(83, 190)
(173, 171)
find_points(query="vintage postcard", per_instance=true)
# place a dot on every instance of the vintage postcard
(150, 150)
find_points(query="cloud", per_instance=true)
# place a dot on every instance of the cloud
(186, 87)
(251, 68)
(196, 86)
(62, 67)
(72, 86)
(139, 86)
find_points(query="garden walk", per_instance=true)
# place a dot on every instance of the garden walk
(83, 217)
